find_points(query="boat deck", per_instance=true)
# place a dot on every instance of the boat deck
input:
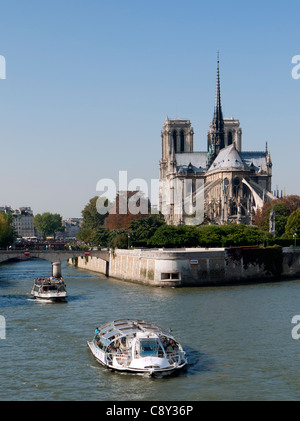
(124, 327)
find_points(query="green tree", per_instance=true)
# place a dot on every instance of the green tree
(85, 234)
(172, 236)
(207, 236)
(282, 212)
(91, 217)
(48, 223)
(230, 235)
(143, 229)
(293, 224)
(241, 235)
(210, 236)
(100, 237)
(92, 230)
(7, 232)
(118, 239)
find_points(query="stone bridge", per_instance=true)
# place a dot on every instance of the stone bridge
(56, 257)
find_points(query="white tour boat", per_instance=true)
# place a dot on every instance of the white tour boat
(137, 346)
(50, 289)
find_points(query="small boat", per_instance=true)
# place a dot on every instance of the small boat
(50, 289)
(138, 347)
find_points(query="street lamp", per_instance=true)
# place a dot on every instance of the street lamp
(295, 238)
(128, 240)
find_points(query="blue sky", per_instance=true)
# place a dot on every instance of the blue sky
(90, 83)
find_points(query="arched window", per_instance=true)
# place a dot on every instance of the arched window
(181, 141)
(225, 186)
(229, 138)
(175, 141)
(233, 209)
(236, 187)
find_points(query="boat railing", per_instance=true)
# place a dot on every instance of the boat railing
(122, 358)
(175, 357)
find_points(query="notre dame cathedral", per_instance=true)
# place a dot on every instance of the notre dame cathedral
(225, 184)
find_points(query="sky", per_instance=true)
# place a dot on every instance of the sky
(89, 84)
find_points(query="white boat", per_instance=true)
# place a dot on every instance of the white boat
(137, 346)
(50, 289)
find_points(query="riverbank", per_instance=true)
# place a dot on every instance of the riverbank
(196, 267)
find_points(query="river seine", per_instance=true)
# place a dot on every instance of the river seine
(238, 339)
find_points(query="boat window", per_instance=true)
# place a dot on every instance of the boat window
(169, 344)
(150, 348)
(101, 345)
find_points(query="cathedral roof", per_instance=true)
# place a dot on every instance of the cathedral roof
(228, 158)
(195, 160)
(255, 160)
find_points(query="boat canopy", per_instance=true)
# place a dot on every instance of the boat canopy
(126, 327)
(45, 281)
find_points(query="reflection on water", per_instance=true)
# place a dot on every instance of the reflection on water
(237, 339)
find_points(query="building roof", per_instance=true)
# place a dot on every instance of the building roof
(197, 160)
(228, 157)
(256, 160)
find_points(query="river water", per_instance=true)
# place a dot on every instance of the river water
(237, 338)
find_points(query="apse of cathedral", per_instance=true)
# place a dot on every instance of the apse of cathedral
(221, 185)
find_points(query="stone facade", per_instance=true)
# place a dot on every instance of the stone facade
(196, 267)
(223, 184)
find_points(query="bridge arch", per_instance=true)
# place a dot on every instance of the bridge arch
(56, 257)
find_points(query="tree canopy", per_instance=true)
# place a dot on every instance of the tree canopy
(48, 223)
(144, 228)
(283, 207)
(92, 228)
(172, 236)
(92, 219)
(293, 224)
(7, 232)
(207, 236)
(151, 231)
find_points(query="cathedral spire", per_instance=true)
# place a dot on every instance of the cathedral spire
(218, 115)
(216, 136)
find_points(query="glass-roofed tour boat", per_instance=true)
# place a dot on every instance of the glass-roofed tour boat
(137, 346)
(49, 289)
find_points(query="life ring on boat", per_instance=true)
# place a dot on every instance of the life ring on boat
(123, 358)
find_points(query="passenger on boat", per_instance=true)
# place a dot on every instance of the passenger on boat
(123, 346)
(117, 346)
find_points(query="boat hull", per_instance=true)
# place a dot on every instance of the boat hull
(153, 370)
(55, 297)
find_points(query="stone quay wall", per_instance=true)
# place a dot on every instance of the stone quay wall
(196, 267)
